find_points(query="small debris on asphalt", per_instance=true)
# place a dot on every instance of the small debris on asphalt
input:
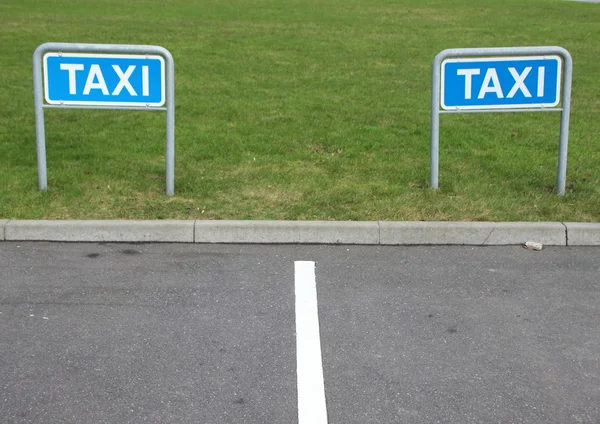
(532, 245)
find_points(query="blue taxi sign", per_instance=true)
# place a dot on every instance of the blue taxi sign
(501, 82)
(90, 79)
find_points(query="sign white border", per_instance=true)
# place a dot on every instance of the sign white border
(101, 103)
(502, 59)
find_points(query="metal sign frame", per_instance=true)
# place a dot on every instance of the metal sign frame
(567, 76)
(115, 49)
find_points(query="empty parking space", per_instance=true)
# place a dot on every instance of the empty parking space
(461, 334)
(146, 333)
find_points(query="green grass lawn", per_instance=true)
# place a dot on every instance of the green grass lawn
(300, 109)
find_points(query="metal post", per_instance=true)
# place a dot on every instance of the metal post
(435, 124)
(40, 135)
(170, 144)
(564, 125)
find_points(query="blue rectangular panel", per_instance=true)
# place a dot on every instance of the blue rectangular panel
(104, 79)
(501, 83)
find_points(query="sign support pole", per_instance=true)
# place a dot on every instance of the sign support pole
(503, 51)
(39, 105)
(563, 146)
(40, 135)
(434, 157)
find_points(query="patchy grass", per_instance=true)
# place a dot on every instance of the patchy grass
(300, 110)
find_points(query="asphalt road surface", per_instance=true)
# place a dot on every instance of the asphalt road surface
(183, 333)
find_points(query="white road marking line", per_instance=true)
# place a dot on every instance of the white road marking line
(311, 387)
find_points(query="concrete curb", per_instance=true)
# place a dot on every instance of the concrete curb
(295, 232)
(472, 233)
(2, 225)
(100, 231)
(583, 234)
(305, 232)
